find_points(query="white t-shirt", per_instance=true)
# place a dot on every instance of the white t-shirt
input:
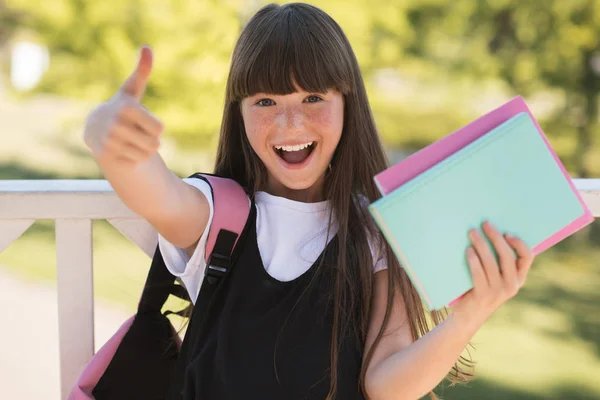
(291, 235)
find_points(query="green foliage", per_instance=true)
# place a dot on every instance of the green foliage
(533, 46)
(94, 47)
(8, 22)
(544, 50)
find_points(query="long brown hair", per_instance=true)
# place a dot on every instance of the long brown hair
(300, 44)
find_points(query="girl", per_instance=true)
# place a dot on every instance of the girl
(317, 306)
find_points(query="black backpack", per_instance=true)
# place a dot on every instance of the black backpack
(145, 357)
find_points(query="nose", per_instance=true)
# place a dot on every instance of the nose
(291, 119)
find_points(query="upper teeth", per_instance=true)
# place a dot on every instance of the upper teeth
(295, 147)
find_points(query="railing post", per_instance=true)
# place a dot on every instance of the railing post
(75, 287)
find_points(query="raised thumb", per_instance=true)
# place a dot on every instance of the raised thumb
(135, 84)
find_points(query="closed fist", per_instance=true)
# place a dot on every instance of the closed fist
(121, 129)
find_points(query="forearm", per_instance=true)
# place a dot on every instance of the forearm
(147, 188)
(418, 368)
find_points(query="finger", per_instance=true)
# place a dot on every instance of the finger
(480, 280)
(133, 153)
(135, 84)
(525, 257)
(126, 161)
(488, 260)
(136, 114)
(505, 253)
(135, 136)
(124, 150)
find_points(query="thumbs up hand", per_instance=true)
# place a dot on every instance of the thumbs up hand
(121, 129)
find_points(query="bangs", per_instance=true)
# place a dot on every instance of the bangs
(287, 47)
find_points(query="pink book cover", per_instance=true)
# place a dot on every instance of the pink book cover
(419, 162)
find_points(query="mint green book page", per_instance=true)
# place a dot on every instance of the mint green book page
(507, 176)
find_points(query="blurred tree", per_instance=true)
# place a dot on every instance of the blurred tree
(430, 65)
(8, 22)
(535, 46)
(94, 45)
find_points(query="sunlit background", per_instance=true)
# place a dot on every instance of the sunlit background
(430, 66)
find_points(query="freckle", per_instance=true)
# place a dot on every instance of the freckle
(323, 117)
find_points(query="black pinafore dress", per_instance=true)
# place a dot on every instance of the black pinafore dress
(261, 338)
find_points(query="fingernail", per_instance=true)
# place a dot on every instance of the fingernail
(470, 252)
(508, 236)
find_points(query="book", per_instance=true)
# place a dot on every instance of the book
(499, 168)
(407, 169)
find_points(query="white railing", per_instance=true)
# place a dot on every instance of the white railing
(73, 204)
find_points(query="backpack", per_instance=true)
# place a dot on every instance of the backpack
(140, 359)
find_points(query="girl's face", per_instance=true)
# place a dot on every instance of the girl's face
(295, 136)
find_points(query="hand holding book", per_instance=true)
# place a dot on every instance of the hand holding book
(496, 279)
(498, 168)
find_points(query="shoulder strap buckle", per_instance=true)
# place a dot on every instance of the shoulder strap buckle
(216, 267)
(219, 259)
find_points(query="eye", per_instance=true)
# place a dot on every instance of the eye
(265, 102)
(313, 99)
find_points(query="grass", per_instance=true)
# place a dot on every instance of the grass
(542, 345)
(120, 268)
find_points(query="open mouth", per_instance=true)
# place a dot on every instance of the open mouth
(296, 154)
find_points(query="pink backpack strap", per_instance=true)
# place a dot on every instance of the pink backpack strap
(231, 210)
